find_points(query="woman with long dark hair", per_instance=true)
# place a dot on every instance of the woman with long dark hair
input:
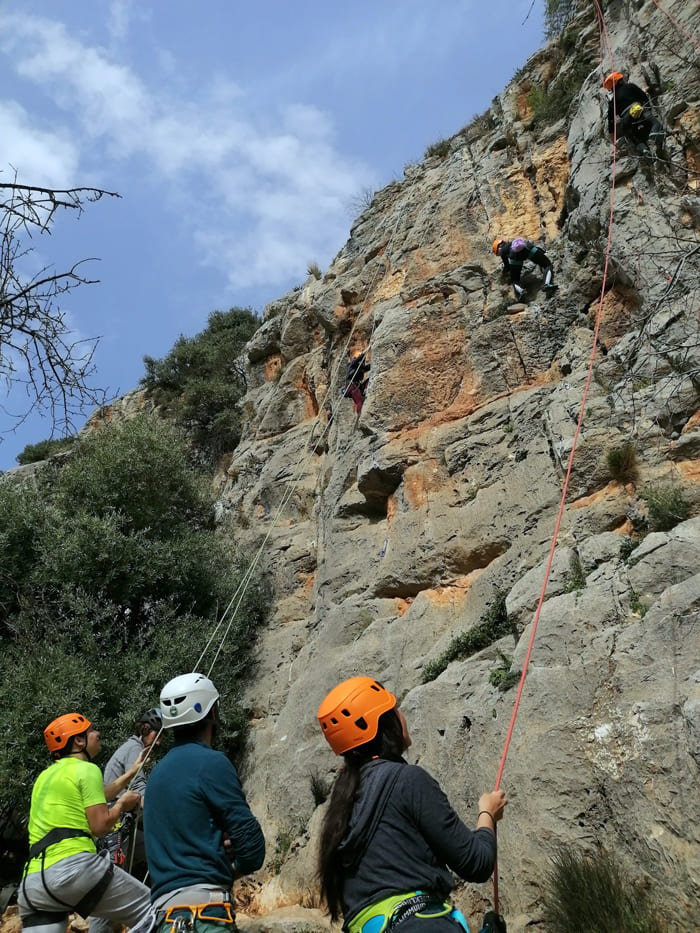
(390, 836)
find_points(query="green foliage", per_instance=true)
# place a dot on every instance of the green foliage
(502, 676)
(577, 577)
(494, 624)
(111, 575)
(622, 462)
(552, 102)
(627, 548)
(590, 893)
(636, 605)
(568, 41)
(314, 269)
(666, 506)
(33, 453)
(441, 149)
(200, 382)
(283, 843)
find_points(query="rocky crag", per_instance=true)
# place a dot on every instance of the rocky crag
(392, 533)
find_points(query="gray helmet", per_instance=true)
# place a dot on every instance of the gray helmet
(152, 718)
(187, 699)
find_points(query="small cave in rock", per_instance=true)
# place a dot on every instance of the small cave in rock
(377, 484)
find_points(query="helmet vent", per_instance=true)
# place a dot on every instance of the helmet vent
(345, 712)
(361, 723)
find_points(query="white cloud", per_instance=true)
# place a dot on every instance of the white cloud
(41, 157)
(261, 199)
(119, 19)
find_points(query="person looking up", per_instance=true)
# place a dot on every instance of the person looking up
(390, 836)
(68, 809)
(200, 832)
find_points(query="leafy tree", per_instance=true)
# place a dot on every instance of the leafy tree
(201, 380)
(112, 578)
(37, 347)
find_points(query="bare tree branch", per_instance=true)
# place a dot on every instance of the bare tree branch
(38, 349)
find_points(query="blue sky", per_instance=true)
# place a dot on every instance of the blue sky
(238, 136)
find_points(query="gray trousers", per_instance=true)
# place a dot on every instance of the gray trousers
(125, 900)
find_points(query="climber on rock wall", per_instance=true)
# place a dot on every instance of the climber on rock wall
(634, 112)
(513, 253)
(355, 382)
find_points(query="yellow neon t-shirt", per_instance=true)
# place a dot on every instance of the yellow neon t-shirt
(59, 798)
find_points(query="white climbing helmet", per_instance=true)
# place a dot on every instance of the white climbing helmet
(186, 699)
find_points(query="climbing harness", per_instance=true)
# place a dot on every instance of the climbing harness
(388, 913)
(216, 911)
(196, 918)
(86, 904)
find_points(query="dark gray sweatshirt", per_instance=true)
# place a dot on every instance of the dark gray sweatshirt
(405, 836)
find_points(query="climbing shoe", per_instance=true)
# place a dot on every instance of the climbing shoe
(519, 292)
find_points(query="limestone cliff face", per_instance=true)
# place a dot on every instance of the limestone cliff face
(393, 533)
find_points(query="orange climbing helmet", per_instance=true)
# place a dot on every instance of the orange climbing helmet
(612, 80)
(495, 245)
(58, 732)
(349, 716)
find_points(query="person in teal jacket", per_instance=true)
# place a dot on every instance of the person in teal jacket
(199, 831)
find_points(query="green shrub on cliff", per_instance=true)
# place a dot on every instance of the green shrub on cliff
(493, 625)
(200, 382)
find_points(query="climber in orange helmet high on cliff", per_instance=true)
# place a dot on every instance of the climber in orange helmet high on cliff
(635, 117)
(513, 253)
(390, 838)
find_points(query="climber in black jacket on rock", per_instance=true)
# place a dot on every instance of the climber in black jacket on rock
(635, 118)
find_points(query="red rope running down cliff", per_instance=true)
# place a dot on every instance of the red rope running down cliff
(677, 25)
(509, 736)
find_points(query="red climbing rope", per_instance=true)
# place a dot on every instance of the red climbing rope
(677, 25)
(531, 642)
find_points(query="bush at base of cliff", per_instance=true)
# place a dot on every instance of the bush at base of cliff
(113, 573)
(200, 381)
(589, 893)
